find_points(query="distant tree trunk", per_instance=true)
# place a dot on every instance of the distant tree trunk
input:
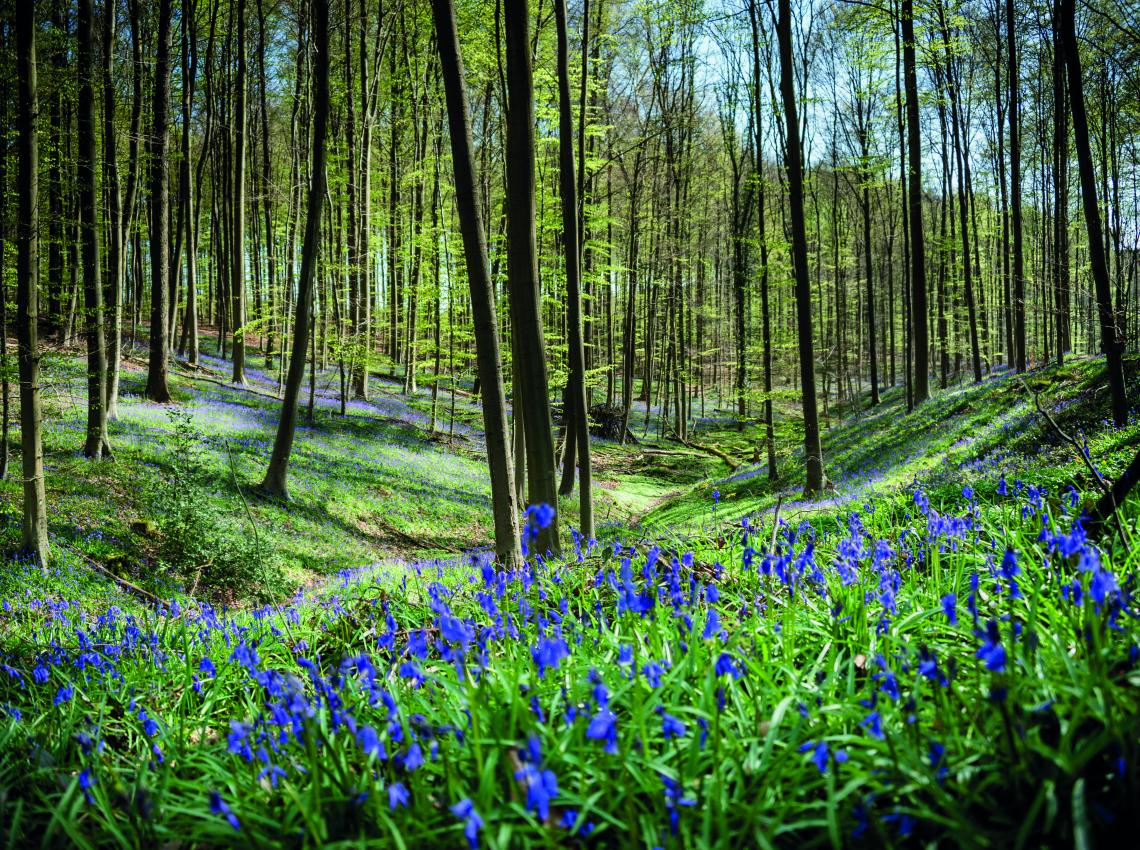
(156, 382)
(919, 333)
(275, 477)
(111, 189)
(5, 105)
(1110, 340)
(267, 194)
(1019, 342)
(765, 310)
(577, 353)
(188, 216)
(532, 391)
(813, 451)
(35, 530)
(57, 50)
(97, 443)
(872, 332)
(237, 242)
(488, 362)
(629, 326)
(1060, 190)
(961, 160)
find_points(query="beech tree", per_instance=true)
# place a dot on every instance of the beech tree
(35, 529)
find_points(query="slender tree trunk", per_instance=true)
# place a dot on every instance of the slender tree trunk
(35, 530)
(814, 480)
(488, 362)
(156, 382)
(237, 243)
(97, 443)
(1110, 340)
(5, 106)
(522, 272)
(1019, 342)
(275, 476)
(921, 343)
(111, 189)
(1060, 189)
(577, 353)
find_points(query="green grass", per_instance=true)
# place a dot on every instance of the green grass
(813, 693)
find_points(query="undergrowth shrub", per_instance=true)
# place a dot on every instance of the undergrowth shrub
(213, 548)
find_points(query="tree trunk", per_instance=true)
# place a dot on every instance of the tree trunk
(275, 476)
(1019, 343)
(532, 391)
(35, 531)
(814, 480)
(570, 233)
(97, 442)
(1110, 340)
(237, 242)
(156, 382)
(115, 233)
(919, 333)
(488, 361)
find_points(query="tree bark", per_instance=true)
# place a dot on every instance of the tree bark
(1019, 342)
(275, 482)
(35, 531)
(156, 383)
(237, 242)
(1110, 340)
(97, 443)
(814, 480)
(919, 333)
(487, 352)
(570, 234)
(532, 391)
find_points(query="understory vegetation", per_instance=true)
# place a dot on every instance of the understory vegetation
(933, 651)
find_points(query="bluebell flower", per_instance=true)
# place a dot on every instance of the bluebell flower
(726, 666)
(472, 823)
(397, 795)
(218, 806)
(603, 727)
(873, 723)
(992, 652)
(712, 625)
(950, 608)
(413, 759)
(675, 797)
(821, 754)
(570, 818)
(671, 727)
(541, 784)
(64, 694)
(86, 783)
(271, 772)
(370, 742)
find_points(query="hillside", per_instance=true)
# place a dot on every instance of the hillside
(932, 652)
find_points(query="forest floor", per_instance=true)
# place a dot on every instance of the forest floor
(381, 483)
(931, 652)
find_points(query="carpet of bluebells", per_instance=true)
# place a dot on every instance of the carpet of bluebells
(963, 672)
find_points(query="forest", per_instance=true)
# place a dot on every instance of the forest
(607, 423)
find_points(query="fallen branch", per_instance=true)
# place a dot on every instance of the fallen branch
(732, 462)
(145, 595)
(1108, 502)
(231, 386)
